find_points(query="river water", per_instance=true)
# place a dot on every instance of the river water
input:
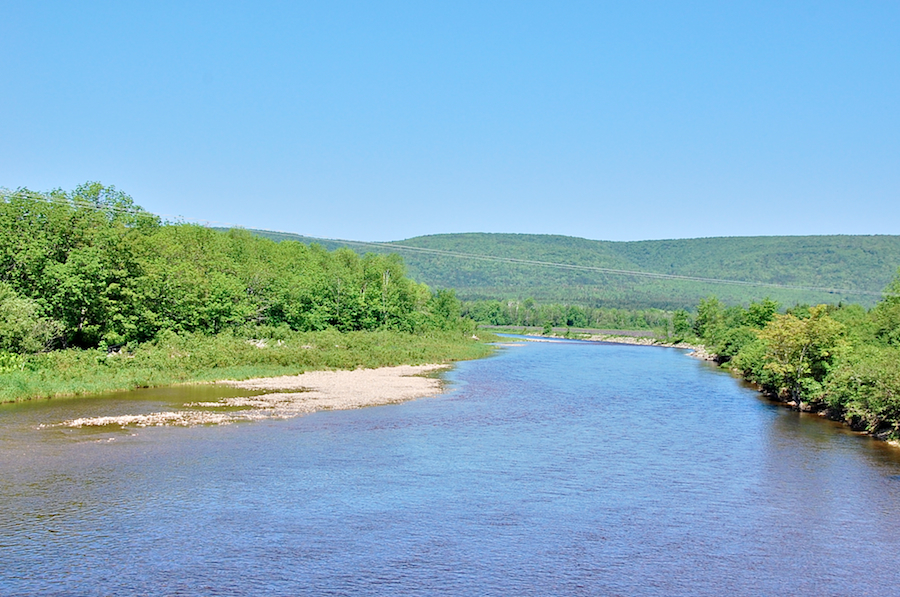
(565, 468)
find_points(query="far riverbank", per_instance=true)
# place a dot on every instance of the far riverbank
(633, 337)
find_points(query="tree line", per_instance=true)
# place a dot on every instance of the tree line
(529, 312)
(89, 268)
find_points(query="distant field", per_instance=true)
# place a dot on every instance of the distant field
(829, 269)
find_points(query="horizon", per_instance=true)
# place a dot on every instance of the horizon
(643, 240)
(596, 121)
(227, 226)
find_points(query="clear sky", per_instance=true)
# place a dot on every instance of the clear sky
(385, 120)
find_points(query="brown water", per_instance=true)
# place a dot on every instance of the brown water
(566, 469)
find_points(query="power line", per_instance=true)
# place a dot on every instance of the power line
(460, 255)
(85, 204)
(572, 266)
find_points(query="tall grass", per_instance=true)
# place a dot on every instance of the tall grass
(197, 358)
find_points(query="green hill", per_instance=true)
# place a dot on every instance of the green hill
(789, 269)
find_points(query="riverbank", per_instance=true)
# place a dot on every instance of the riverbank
(701, 352)
(342, 390)
(633, 337)
(566, 332)
(194, 358)
(696, 350)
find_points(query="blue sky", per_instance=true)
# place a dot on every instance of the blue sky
(384, 120)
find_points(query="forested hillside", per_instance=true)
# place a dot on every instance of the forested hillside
(855, 268)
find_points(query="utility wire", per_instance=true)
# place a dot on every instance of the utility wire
(6, 195)
(457, 254)
(571, 266)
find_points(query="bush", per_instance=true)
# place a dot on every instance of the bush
(865, 387)
(22, 329)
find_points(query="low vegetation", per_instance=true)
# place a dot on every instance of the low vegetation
(181, 358)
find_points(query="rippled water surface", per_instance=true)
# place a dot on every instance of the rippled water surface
(551, 468)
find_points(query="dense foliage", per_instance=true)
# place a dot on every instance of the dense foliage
(842, 359)
(89, 268)
(858, 263)
(97, 294)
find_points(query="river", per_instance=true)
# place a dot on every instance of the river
(567, 468)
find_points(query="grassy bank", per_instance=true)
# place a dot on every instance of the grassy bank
(190, 358)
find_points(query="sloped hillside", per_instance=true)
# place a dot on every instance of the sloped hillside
(852, 268)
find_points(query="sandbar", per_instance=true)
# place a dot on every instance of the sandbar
(292, 396)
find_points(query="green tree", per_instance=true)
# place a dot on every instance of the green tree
(761, 313)
(113, 204)
(22, 329)
(800, 352)
(681, 324)
(445, 309)
(886, 314)
(865, 386)
(710, 318)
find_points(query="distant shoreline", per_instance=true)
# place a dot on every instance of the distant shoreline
(632, 337)
(560, 331)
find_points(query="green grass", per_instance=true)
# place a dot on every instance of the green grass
(194, 358)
